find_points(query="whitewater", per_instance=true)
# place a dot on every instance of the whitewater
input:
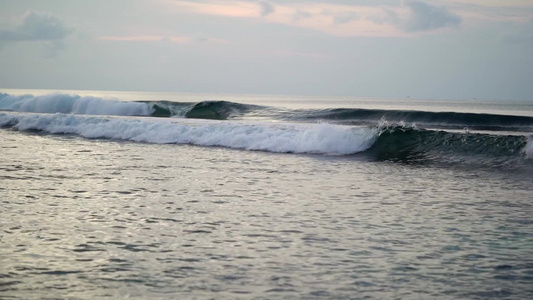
(109, 195)
(304, 138)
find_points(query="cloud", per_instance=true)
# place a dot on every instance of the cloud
(344, 18)
(266, 8)
(496, 3)
(425, 16)
(334, 19)
(300, 14)
(238, 9)
(146, 38)
(36, 26)
(482, 12)
(401, 19)
(162, 38)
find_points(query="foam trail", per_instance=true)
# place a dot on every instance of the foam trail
(273, 137)
(63, 103)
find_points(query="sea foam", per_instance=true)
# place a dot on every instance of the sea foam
(529, 148)
(274, 137)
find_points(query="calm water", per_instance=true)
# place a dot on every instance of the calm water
(91, 218)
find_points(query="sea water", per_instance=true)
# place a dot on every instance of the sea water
(109, 195)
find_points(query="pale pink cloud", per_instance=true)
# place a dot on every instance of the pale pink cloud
(220, 8)
(162, 38)
(494, 3)
(480, 18)
(334, 19)
(348, 20)
(482, 11)
(146, 38)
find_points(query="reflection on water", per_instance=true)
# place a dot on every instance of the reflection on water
(93, 219)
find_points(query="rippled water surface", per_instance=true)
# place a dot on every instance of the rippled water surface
(103, 219)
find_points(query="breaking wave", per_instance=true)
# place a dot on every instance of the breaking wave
(63, 103)
(74, 104)
(272, 137)
(529, 148)
(225, 110)
(214, 110)
(382, 143)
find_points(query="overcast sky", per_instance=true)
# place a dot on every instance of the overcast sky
(443, 49)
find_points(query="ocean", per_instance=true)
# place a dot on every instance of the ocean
(111, 195)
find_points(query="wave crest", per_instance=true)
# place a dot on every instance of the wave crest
(63, 103)
(407, 143)
(403, 144)
(274, 137)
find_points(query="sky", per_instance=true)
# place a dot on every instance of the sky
(439, 49)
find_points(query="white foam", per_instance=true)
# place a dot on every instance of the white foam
(274, 137)
(529, 148)
(63, 103)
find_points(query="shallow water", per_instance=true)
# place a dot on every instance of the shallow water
(105, 219)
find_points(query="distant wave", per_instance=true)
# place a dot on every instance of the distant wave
(226, 110)
(74, 104)
(382, 143)
(63, 103)
(215, 110)
(449, 120)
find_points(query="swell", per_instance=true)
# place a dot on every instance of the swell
(214, 110)
(444, 120)
(410, 144)
(380, 143)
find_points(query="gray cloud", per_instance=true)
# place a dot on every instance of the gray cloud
(300, 14)
(342, 18)
(266, 8)
(425, 16)
(36, 26)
